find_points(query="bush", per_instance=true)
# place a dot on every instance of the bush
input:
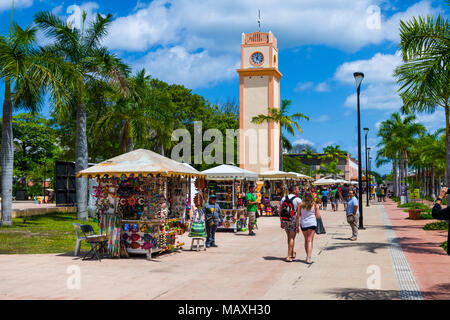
(412, 205)
(396, 199)
(445, 246)
(440, 225)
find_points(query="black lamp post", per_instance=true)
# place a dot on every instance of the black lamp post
(359, 76)
(366, 131)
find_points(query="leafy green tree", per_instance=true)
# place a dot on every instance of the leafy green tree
(330, 158)
(86, 60)
(286, 121)
(424, 77)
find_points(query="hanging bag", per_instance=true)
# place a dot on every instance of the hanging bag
(320, 229)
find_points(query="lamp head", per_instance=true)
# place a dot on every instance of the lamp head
(366, 130)
(359, 76)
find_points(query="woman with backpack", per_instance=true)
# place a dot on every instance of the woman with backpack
(309, 211)
(290, 218)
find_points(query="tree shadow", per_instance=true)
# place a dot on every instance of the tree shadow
(371, 247)
(364, 294)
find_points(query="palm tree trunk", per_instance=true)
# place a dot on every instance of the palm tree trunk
(433, 189)
(81, 162)
(7, 157)
(447, 147)
(395, 176)
(281, 154)
(406, 173)
(401, 171)
(130, 144)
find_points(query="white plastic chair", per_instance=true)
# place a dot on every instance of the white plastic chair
(80, 237)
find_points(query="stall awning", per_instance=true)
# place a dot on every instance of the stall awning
(277, 175)
(301, 176)
(138, 162)
(324, 182)
(229, 172)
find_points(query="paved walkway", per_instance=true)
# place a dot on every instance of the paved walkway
(429, 263)
(242, 267)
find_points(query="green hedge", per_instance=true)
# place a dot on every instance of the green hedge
(445, 246)
(440, 225)
(412, 205)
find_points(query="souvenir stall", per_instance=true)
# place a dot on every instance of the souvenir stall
(141, 201)
(230, 184)
(277, 182)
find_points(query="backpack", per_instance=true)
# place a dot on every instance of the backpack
(287, 211)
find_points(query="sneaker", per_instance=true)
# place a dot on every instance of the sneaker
(352, 238)
(214, 245)
(207, 245)
(252, 234)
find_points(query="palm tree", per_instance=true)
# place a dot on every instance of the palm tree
(88, 61)
(28, 75)
(286, 121)
(397, 139)
(130, 114)
(425, 74)
(332, 154)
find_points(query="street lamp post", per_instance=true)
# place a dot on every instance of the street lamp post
(368, 164)
(359, 76)
(366, 131)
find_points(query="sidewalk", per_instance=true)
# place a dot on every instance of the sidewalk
(430, 264)
(241, 268)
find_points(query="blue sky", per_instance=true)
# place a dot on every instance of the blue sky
(321, 43)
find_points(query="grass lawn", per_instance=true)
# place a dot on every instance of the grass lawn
(50, 233)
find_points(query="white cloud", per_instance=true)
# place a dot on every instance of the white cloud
(198, 69)
(303, 141)
(379, 88)
(322, 87)
(432, 121)
(6, 4)
(302, 86)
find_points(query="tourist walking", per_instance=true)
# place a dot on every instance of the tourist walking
(335, 199)
(378, 193)
(213, 216)
(353, 215)
(291, 205)
(325, 199)
(345, 191)
(252, 207)
(309, 211)
(382, 194)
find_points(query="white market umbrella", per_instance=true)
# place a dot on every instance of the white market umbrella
(324, 182)
(277, 175)
(229, 172)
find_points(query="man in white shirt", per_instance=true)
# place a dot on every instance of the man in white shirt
(292, 227)
(353, 215)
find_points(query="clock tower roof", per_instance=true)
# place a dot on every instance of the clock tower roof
(261, 38)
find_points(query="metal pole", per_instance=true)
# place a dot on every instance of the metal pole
(361, 225)
(367, 177)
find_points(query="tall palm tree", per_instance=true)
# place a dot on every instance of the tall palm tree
(89, 61)
(27, 73)
(287, 122)
(425, 74)
(398, 134)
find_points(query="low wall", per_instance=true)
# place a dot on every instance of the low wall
(40, 211)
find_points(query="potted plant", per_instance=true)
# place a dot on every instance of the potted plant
(414, 212)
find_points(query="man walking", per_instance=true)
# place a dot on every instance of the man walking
(251, 209)
(213, 216)
(353, 215)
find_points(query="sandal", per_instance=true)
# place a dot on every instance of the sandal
(288, 259)
(295, 254)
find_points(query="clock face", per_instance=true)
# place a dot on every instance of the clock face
(257, 58)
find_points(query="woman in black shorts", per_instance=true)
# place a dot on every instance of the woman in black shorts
(310, 212)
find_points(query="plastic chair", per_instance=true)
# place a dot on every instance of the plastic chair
(96, 241)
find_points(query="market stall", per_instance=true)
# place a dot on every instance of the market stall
(141, 201)
(276, 184)
(229, 184)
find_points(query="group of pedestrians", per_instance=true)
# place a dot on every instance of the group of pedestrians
(333, 193)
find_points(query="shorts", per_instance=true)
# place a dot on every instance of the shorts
(289, 226)
(251, 216)
(308, 228)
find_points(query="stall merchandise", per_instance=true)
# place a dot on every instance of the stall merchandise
(229, 184)
(142, 201)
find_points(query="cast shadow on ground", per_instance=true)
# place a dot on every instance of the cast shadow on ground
(441, 291)
(371, 247)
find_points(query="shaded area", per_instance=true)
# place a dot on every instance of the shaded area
(371, 247)
(364, 294)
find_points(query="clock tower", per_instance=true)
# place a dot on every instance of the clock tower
(259, 91)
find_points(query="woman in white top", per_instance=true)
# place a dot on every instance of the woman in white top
(308, 222)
